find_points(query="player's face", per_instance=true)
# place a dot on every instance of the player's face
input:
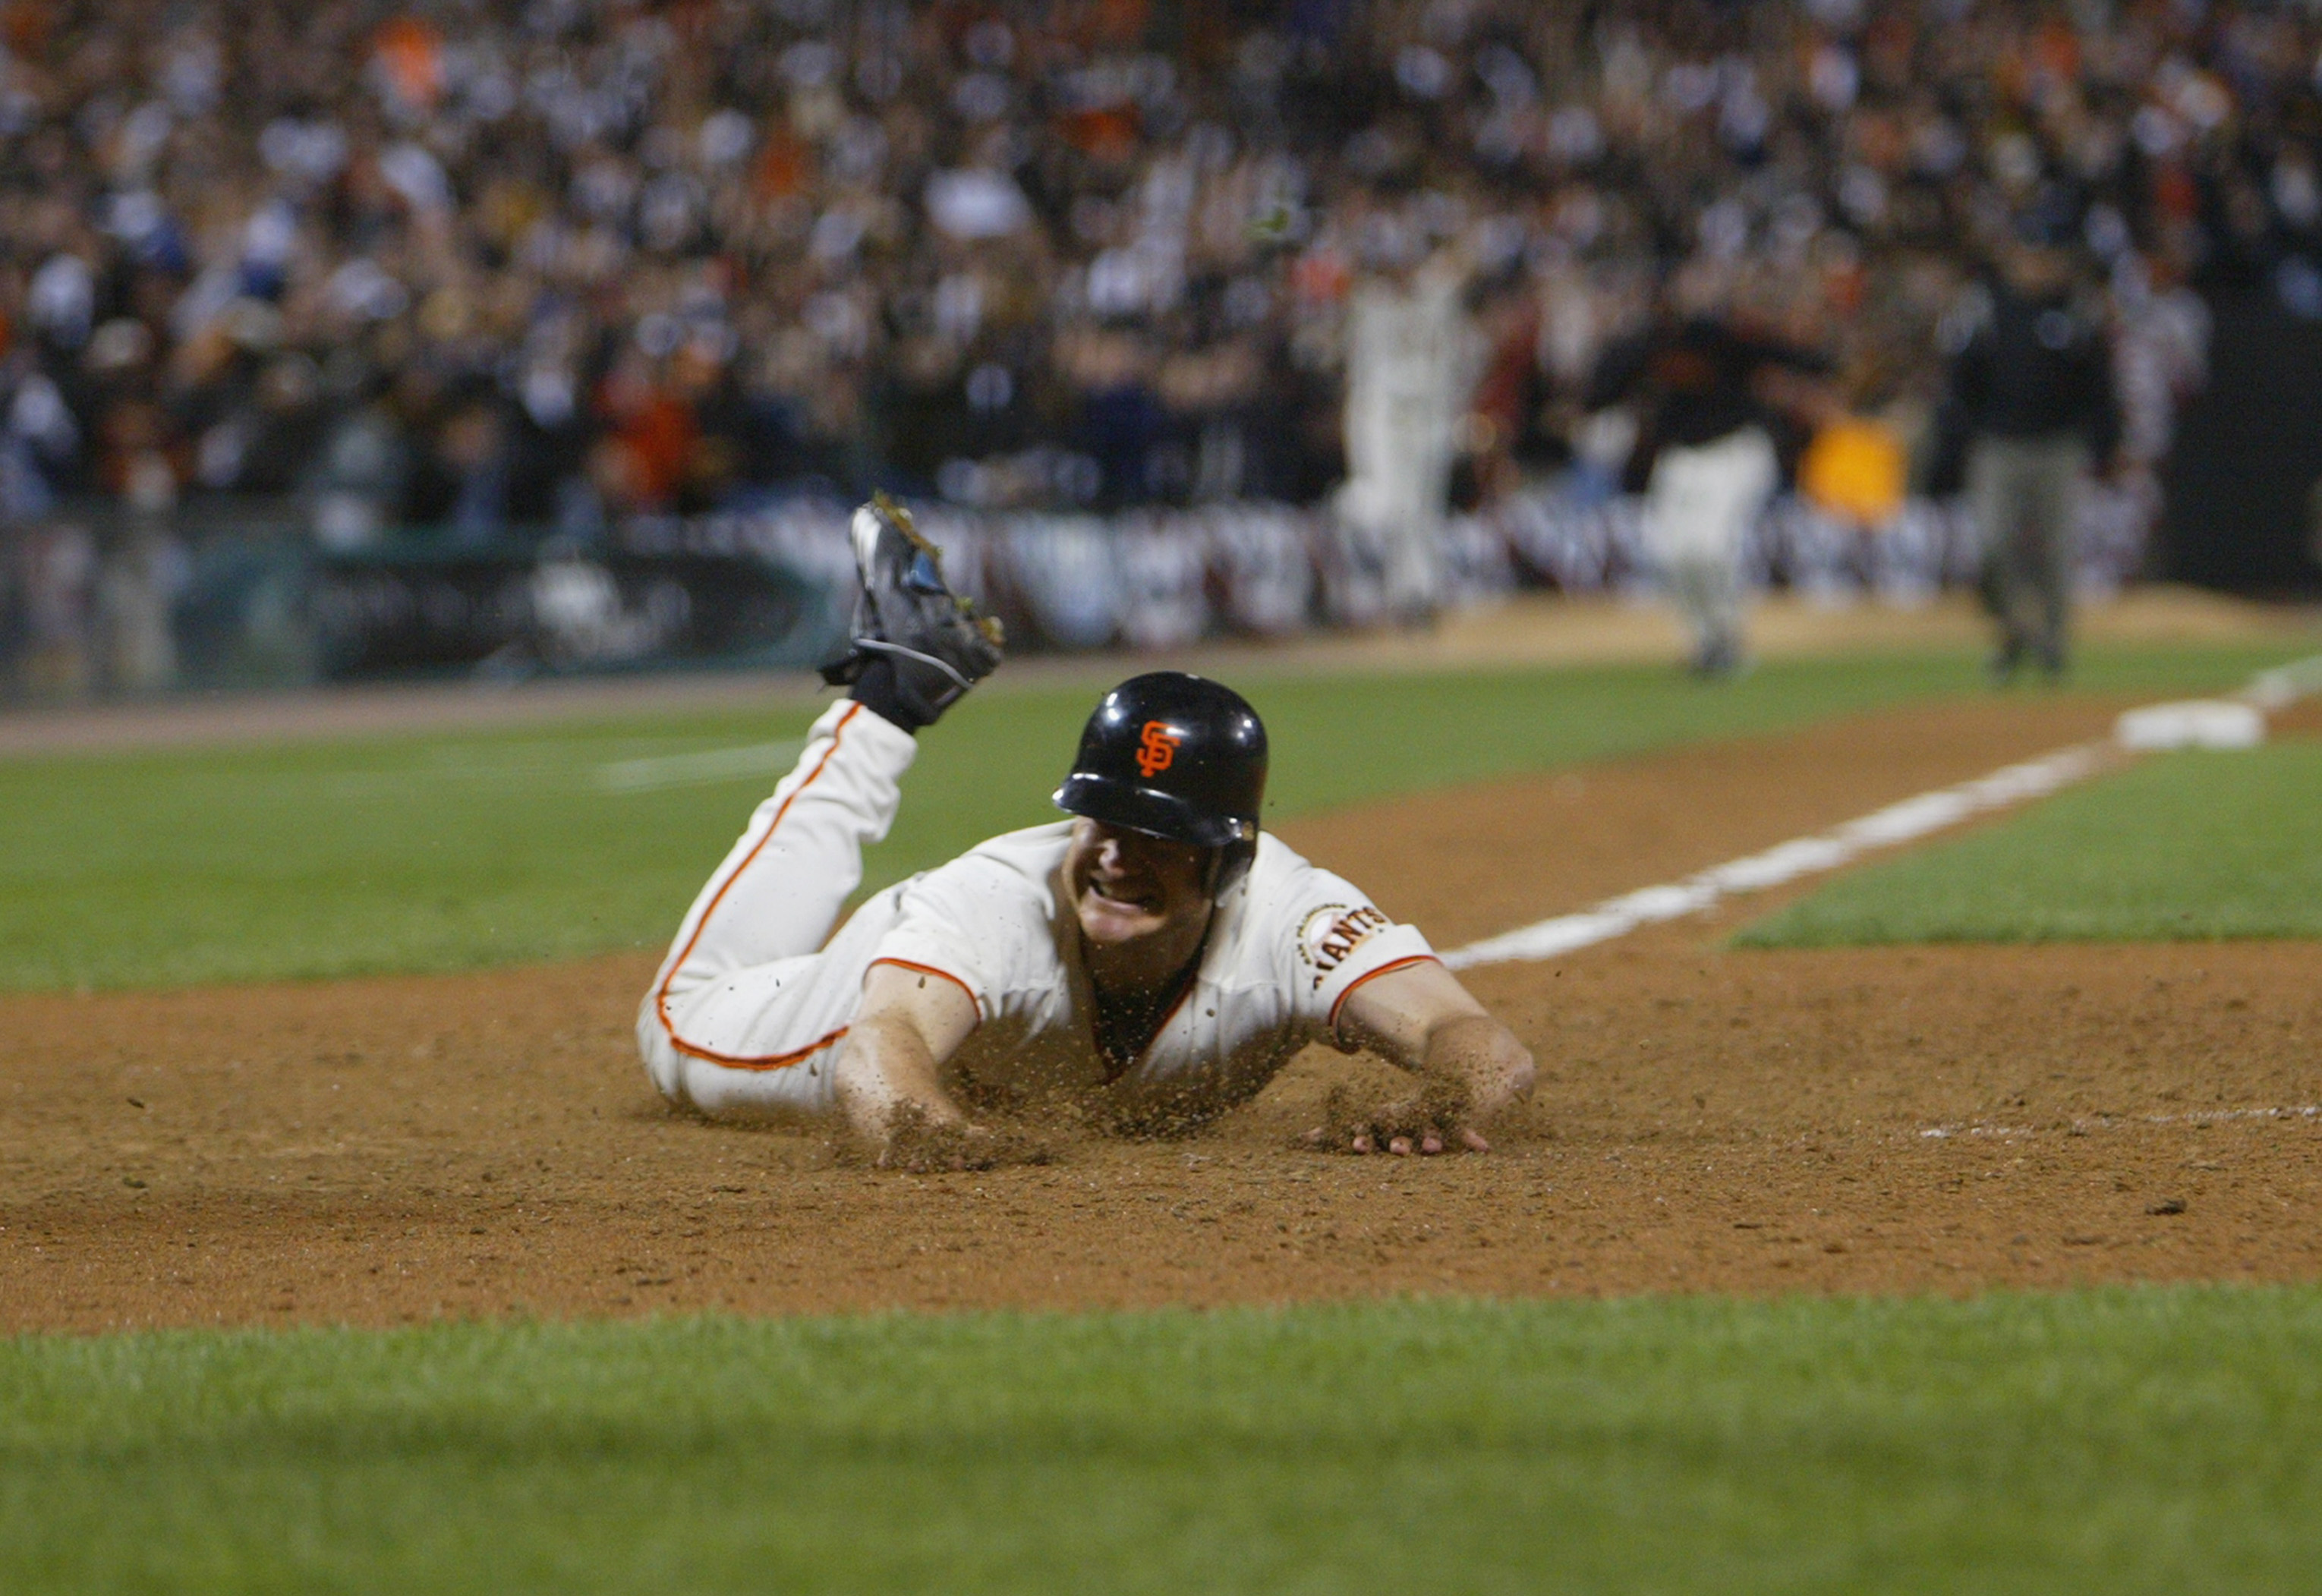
(1126, 885)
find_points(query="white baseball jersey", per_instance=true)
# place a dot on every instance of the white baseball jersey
(743, 1017)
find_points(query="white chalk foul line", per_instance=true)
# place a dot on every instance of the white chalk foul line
(696, 770)
(2111, 1121)
(2281, 687)
(1911, 819)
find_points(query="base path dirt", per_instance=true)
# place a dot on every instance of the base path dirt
(386, 1150)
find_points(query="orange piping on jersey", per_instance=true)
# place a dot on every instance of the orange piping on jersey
(661, 994)
(944, 974)
(778, 1061)
(1374, 975)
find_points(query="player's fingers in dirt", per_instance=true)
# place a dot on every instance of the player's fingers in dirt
(1431, 1122)
(1426, 1144)
(917, 1145)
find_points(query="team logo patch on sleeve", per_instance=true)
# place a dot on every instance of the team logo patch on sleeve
(1330, 935)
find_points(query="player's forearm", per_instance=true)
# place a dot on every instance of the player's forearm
(1479, 1056)
(890, 1070)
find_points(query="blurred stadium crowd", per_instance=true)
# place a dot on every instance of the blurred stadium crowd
(489, 264)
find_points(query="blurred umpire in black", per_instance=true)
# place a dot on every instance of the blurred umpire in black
(2030, 398)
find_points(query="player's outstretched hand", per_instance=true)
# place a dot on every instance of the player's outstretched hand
(1433, 1122)
(918, 1145)
(1425, 1144)
(924, 1149)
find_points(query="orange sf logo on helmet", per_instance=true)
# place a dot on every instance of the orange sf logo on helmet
(1157, 750)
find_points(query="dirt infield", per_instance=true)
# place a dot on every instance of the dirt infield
(385, 1150)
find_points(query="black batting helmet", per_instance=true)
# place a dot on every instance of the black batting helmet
(1175, 756)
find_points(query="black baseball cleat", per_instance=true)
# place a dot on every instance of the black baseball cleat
(911, 630)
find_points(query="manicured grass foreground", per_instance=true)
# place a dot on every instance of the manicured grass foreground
(2192, 845)
(2162, 1440)
(443, 851)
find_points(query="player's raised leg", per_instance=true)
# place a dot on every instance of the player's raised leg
(737, 1014)
(779, 891)
(736, 992)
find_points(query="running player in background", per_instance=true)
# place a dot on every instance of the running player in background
(1709, 383)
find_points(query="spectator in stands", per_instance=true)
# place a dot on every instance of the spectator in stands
(536, 196)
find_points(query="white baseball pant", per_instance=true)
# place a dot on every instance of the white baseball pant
(747, 1011)
(1698, 507)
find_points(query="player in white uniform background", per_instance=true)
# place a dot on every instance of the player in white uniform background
(1410, 373)
(1151, 962)
(1412, 358)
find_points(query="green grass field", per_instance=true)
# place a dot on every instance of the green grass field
(2160, 1440)
(429, 853)
(2187, 846)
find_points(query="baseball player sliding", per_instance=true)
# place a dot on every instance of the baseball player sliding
(1147, 964)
